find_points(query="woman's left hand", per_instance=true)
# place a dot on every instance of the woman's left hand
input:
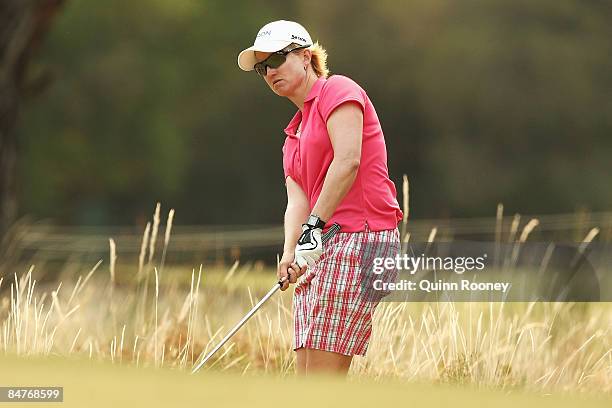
(309, 246)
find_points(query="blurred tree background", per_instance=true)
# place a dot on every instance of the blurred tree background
(481, 102)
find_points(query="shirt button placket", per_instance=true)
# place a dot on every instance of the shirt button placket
(299, 138)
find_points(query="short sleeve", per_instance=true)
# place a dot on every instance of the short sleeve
(337, 90)
(288, 158)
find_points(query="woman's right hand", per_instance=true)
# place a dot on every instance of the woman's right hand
(288, 271)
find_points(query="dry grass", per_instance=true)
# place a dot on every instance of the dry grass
(536, 346)
(531, 346)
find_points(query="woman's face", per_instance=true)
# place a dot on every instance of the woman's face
(286, 79)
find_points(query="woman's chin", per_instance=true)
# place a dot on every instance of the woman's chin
(280, 93)
(279, 88)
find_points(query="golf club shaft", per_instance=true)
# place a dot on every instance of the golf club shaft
(330, 232)
(263, 300)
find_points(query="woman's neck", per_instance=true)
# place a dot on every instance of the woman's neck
(298, 98)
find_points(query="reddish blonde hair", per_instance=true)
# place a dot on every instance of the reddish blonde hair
(319, 60)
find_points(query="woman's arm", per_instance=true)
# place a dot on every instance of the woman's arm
(296, 214)
(298, 209)
(345, 128)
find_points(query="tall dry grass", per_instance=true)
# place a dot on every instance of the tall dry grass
(159, 322)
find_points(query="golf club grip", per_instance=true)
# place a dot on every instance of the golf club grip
(330, 232)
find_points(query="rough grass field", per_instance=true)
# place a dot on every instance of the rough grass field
(148, 325)
(95, 384)
(541, 347)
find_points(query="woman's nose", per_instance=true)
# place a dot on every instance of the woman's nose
(270, 72)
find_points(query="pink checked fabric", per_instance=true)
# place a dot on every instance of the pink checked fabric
(331, 311)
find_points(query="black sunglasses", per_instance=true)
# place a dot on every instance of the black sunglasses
(275, 60)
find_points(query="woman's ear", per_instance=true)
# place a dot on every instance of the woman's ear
(307, 57)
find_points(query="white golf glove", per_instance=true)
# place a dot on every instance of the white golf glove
(309, 246)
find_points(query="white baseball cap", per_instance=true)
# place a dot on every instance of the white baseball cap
(273, 37)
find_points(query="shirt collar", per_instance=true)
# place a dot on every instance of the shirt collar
(293, 124)
(314, 92)
(316, 89)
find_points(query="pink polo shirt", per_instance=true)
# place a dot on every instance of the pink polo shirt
(307, 156)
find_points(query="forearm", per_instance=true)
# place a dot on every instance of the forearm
(295, 216)
(338, 181)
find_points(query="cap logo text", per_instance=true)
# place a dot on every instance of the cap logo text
(295, 37)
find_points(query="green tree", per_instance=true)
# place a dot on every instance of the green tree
(23, 24)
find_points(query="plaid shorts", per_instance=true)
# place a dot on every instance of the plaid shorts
(330, 309)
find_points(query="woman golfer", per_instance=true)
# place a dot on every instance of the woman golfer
(335, 166)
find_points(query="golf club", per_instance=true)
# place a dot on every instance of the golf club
(325, 237)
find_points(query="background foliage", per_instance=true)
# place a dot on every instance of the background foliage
(481, 102)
